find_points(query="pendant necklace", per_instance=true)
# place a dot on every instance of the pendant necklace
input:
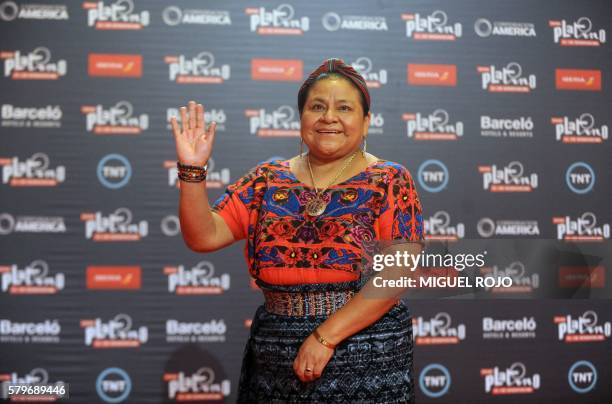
(316, 206)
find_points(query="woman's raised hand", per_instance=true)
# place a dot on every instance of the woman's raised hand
(193, 141)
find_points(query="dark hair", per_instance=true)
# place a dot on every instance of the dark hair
(305, 90)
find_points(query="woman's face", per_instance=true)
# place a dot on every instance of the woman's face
(332, 122)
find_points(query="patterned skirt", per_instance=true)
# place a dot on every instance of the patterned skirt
(372, 366)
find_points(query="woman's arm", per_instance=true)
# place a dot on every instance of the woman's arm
(364, 309)
(202, 229)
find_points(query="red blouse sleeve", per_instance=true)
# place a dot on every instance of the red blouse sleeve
(401, 216)
(238, 205)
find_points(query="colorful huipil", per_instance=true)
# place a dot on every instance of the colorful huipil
(308, 267)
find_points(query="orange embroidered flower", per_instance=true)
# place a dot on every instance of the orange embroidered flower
(291, 256)
(329, 230)
(280, 195)
(405, 198)
(281, 229)
(315, 257)
(349, 196)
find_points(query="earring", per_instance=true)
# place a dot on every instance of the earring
(365, 145)
(301, 146)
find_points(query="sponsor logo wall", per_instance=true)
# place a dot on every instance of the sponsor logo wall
(501, 114)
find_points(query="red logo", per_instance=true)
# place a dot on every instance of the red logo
(113, 277)
(578, 79)
(277, 69)
(114, 65)
(432, 75)
(587, 277)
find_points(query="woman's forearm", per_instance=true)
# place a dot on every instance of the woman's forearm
(370, 303)
(357, 314)
(197, 221)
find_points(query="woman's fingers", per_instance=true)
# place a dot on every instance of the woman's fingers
(210, 133)
(317, 371)
(200, 124)
(184, 121)
(192, 115)
(298, 369)
(308, 370)
(175, 127)
(309, 373)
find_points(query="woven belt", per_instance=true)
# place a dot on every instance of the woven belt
(306, 303)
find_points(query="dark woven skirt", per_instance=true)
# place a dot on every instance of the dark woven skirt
(372, 366)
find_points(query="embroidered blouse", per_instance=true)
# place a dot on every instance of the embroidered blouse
(286, 246)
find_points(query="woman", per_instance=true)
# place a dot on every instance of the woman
(307, 221)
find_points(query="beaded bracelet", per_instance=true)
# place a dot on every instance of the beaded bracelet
(188, 173)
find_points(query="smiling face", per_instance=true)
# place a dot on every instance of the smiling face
(332, 123)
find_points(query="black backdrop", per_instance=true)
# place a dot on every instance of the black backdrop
(500, 109)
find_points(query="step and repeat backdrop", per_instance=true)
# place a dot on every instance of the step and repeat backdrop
(500, 109)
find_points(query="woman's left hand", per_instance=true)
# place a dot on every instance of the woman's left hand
(312, 355)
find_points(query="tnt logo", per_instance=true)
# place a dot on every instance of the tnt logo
(113, 385)
(434, 380)
(582, 377)
(580, 177)
(433, 175)
(114, 171)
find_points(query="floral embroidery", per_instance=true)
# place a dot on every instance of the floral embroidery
(329, 230)
(349, 196)
(282, 230)
(280, 196)
(268, 203)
